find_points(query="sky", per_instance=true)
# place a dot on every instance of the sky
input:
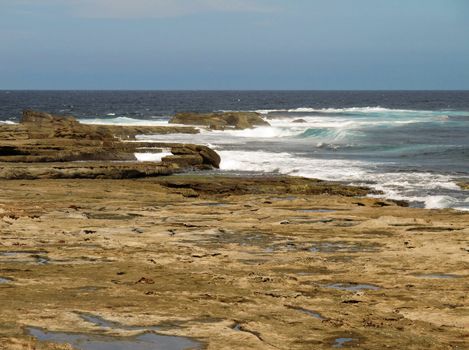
(234, 44)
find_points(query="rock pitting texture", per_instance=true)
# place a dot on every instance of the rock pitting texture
(221, 267)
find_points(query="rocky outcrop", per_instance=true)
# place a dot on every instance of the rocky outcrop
(48, 143)
(280, 185)
(220, 121)
(47, 151)
(464, 185)
(208, 155)
(40, 125)
(87, 171)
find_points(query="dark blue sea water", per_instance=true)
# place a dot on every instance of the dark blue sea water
(146, 104)
(411, 145)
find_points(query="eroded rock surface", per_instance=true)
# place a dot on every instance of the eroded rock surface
(281, 185)
(222, 120)
(273, 263)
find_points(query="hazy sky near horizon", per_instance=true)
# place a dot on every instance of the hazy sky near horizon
(234, 44)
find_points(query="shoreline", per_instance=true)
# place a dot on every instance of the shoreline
(433, 189)
(213, 261)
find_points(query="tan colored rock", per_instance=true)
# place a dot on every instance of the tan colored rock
(221, 268)
(218, 185)
(210, 157)
(185, 160)
(220, 121)
(42, 125)
(48, 143)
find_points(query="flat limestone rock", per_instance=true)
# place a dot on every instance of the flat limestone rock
(90, 170)
(118, 260)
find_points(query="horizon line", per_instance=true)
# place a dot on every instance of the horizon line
(235, 90)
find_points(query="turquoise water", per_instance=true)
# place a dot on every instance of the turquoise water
(414, 155)
(411, 145)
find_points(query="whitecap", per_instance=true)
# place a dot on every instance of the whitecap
(409, 186)
(439, 202)
(261, 132)
(367, 109)
(124, 121)
(461, 208)
(267, 111)
(287, 163)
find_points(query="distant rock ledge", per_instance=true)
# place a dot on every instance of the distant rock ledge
(42, 125)
(43, 145)
(221, 121)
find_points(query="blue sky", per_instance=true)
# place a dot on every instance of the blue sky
(234, 44)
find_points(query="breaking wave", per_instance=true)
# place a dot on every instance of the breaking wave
(417, 187)
(405, 154)
(125, 121)
(376, 109)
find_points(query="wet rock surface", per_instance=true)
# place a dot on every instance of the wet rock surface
(4, 280)
(221, 186)
(90, 341)
(226, 276)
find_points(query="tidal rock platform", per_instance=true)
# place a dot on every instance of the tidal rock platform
(216, 262)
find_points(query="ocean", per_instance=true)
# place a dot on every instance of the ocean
(411, 145)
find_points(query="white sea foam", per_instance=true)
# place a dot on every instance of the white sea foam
(439, 202)
(267, 111)
(151, 157)
(340, 127)
(8, 122)
(261, 132)
(204, 138)
(286, 163)
(250, 150)
(376, 109)
(348, 123)
(124, 121)
(407, 186)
